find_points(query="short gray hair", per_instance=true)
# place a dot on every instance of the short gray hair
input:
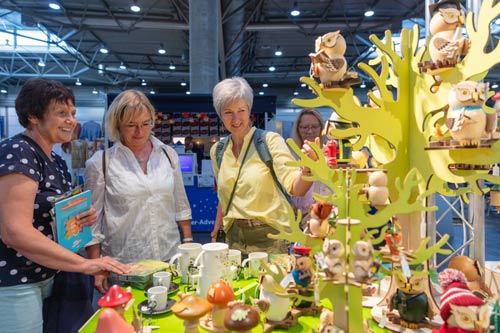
(124, 107)
(231, 90)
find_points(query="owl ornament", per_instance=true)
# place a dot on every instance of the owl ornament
(447, 44)
(302, 272)
(318, 224)
(378, 193)
(333, 258)
(461, 310)
(410, 300)
(362, 261)
(329, 64)
(465, 118)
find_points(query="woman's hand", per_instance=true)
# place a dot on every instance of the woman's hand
(87, 218)
(104, 264)
(101, 282)
(308, 151)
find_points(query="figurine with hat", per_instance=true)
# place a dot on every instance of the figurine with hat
(115, 298)
(461, 310)
(302, 272)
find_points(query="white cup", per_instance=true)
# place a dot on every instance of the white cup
(162, 279)
(157, 297)
(186, 255)
(234, 262)
(213, 264)
(256, 262)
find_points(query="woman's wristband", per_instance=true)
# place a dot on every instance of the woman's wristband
(187, 239)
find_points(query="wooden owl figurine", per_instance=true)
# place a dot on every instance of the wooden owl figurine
(334, 258)
(362, 261)
(447, 43)
(378, 193)
(466, 118)
(302, 273)
(461, 310)
(318, 222)
(328, 62)
(410, 300)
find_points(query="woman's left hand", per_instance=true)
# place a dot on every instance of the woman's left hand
(87, 218)
(307, 149)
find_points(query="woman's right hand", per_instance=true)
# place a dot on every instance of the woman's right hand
(104, 264)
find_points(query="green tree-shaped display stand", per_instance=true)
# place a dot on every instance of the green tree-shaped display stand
(402, 128)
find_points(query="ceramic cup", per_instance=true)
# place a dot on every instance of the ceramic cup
(157, 297)
(185, 256)
(162, 279)
(234, 262)
(256, 261)
(213, 264)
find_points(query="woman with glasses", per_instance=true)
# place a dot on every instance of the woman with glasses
(307, 128)
(137, 190)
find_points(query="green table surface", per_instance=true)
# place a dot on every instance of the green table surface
(168, 322)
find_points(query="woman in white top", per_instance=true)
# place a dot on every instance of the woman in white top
(138, 191)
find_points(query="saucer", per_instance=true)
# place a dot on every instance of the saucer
(174, 287)
(143, 307)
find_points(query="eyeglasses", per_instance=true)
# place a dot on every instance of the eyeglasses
(310, 128)
(135, 126)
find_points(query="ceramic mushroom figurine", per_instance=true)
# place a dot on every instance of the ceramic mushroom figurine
(219, 294)
(110, 321)
(191, 308)
(115, 298)
(241, 317)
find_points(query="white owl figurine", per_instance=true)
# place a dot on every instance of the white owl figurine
(318, 222)
(334, 260)
(362, 261)
(466, 119)
(378, 193)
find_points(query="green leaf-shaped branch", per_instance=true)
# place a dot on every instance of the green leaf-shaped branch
(423, 253)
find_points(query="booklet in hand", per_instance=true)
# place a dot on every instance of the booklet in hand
(68, 233)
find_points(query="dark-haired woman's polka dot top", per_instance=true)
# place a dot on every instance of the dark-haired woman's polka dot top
(20, 154)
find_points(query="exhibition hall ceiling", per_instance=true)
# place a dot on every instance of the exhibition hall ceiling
(252, 31)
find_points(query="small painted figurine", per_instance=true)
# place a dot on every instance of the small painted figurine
(461, 310)
(362, 263)
(302, 272)
(331, 153)
(334, 260)
(328, 62)
(378, 193)
(318, 223)
(411, 300)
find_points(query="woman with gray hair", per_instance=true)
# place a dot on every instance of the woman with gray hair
(138, 191)
(250, 201)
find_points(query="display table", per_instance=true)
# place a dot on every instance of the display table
(169, 323)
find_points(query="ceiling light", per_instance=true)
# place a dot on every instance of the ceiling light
(295, 11)
(188, 92)
(172, 66)
(78, 83)
(122, 65)
(303, 85)
(152, 92)
(272, 68)
(261, 93)
(278, 52)
(143, 82)
(3, 90)
(100, 69)
(41, 63)
(494, 85)
(362, 85)
(94, 91)
(162, 50)
(183, 84)
(135, 7)
(265, 85)
(54, 5)
(369, 13)
(103, 50)
(295, 93)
